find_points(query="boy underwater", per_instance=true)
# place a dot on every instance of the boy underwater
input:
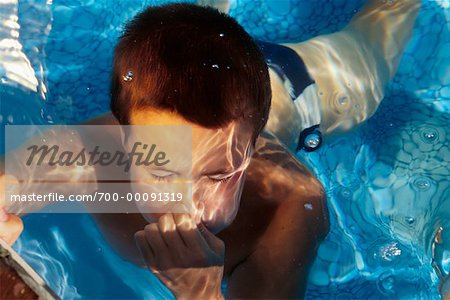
(259, 213)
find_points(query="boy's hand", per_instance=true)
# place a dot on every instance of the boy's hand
(186, 258)
(11, 226)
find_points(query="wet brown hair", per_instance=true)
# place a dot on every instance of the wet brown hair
(192, 60)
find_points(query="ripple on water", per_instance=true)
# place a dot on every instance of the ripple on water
(422, 183)
(386, 283)
(429, 135)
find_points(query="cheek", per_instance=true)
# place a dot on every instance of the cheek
(208, 192)
(218, 204)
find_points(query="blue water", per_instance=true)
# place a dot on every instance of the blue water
(387, 181)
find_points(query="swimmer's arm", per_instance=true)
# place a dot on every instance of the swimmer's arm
(27, 174)
(11, 225)
(278, 268)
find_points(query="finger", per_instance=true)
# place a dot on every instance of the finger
(145, 248)
(214, 243)
(189, 232)
(10, 228)
(154, 238)
(4, 216)
(169, 232)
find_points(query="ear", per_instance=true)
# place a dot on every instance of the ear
(125, 132)
(122, 135)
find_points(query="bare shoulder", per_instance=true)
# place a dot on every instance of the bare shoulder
(279, 167)
(276, 179)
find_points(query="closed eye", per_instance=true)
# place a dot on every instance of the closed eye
(220, 179)
(161, 175)
(161, 178)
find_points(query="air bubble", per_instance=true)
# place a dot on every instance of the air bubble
(215, 66)
(308, 206)
(389, 252)
(429, 135)
(410, 220)
(346, 193)
(221, 35)
(312, 140)
(129, 76)
(343, 100)
(422, 183)
(10, 119)
(384, 253)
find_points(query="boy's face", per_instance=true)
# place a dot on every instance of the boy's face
(217, 171)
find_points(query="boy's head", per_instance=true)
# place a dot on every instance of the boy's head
(195, 64)
(194, 61)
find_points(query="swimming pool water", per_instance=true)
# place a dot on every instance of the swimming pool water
(387, 181)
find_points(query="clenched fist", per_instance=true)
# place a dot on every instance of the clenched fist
(187, 258)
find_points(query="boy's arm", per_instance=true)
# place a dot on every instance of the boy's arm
(30, 173)
(20, 179)
(11, 225)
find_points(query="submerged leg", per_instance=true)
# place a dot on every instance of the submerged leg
(351, 67)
